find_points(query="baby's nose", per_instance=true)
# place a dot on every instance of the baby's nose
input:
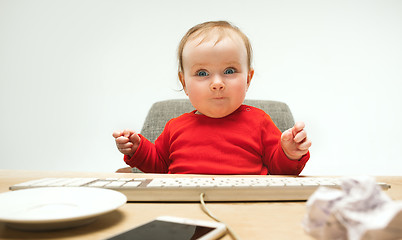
(217, 84)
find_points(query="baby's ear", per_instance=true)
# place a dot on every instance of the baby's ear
(183, 83)
(250, 76)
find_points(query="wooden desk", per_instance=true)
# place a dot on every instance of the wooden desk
(262, 220)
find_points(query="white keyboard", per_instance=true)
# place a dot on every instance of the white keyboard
(179, 189)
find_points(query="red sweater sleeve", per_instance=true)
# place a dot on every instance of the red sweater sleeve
(280, 164)
(149, 157)
(274, 157)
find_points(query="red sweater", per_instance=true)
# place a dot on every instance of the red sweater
(244, 142)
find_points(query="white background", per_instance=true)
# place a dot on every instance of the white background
(71, 72)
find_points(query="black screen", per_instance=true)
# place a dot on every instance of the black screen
(156, 230)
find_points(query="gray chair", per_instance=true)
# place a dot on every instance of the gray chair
(161, 112)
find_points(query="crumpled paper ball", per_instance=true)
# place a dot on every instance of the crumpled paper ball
(360, 210)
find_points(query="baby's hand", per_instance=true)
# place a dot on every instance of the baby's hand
(127, 141)
(294, 142)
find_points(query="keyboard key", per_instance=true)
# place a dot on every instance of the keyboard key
(99, 184)
(131, 184)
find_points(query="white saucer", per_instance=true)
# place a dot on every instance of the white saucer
(52, 208)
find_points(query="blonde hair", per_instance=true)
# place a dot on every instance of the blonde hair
(205, 29)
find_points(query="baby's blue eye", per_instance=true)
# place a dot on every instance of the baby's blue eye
(229, 71)
(202, 74)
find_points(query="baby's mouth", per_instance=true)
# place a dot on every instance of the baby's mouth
(218, 98)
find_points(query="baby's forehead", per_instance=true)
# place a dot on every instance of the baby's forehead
(214, 35)
(214, 49)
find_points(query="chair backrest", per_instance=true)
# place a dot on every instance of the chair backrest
(161, 112)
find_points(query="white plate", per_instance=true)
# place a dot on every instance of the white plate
(56, 207)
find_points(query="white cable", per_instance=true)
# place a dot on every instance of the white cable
(205, 209)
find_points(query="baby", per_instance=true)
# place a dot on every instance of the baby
(221, 136)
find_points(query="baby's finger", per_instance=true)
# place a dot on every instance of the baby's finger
(126, 151)
(128, 145)
(297, 127)
(287, 135)
(302, 152)
(117, 134)
(134, 138)
(305, 145)
(122, 140)
(127, 133)
(300, 136)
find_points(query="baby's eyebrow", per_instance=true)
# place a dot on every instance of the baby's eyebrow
(198, 66)
(233, 63)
